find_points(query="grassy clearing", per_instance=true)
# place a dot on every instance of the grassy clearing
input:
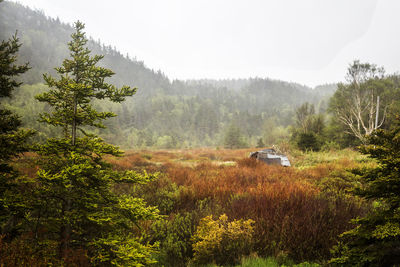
(310, 159)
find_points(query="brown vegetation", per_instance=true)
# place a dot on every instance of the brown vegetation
(297, 212)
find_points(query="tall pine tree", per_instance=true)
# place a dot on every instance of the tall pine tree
(375, 241)
(77, 206)
(12, 138)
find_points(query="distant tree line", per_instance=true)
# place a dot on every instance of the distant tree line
(193, 113)
(163, 113)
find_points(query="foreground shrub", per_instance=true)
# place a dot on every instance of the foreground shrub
(222, 242)
(308, 141)
(174, 236)
(301, 225)
(375, 240)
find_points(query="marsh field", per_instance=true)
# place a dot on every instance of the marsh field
(220, 207)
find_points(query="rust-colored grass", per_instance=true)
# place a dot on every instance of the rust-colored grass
(293, 213)
(299, 211)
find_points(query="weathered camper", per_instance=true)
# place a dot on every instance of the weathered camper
(271, 157)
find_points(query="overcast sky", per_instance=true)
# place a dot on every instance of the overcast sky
(306, 41)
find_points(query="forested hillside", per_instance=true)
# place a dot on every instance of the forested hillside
(163, 113)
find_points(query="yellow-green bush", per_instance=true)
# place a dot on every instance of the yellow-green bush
(222, 242)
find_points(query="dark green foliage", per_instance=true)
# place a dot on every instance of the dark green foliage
(8, 68)
(76, 205)
(376, 239)
(308, 141)
(175, 237)
(13, 139)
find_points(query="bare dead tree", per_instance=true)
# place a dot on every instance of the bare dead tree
(355, 102)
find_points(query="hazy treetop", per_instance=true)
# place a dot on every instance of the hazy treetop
(308, 41)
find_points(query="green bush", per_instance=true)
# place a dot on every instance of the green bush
(308, 141)
(222, 242)
(162, 193)
(174, 236)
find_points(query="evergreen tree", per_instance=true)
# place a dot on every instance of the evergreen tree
(12, 138)
(234, 138)
(78, 208)
(308, 141)
(375, 241)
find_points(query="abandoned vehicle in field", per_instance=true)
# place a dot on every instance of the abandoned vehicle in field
(271, 157)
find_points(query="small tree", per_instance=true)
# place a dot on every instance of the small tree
(308, 141)
(77, 206)
(233, 137)
(309, 130)
(304, 115)
(12, 138)
(376, 239)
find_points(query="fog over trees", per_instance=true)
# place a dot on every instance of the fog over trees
(192, 113)
(164, 113)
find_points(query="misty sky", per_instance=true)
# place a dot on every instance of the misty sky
(306, 41)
